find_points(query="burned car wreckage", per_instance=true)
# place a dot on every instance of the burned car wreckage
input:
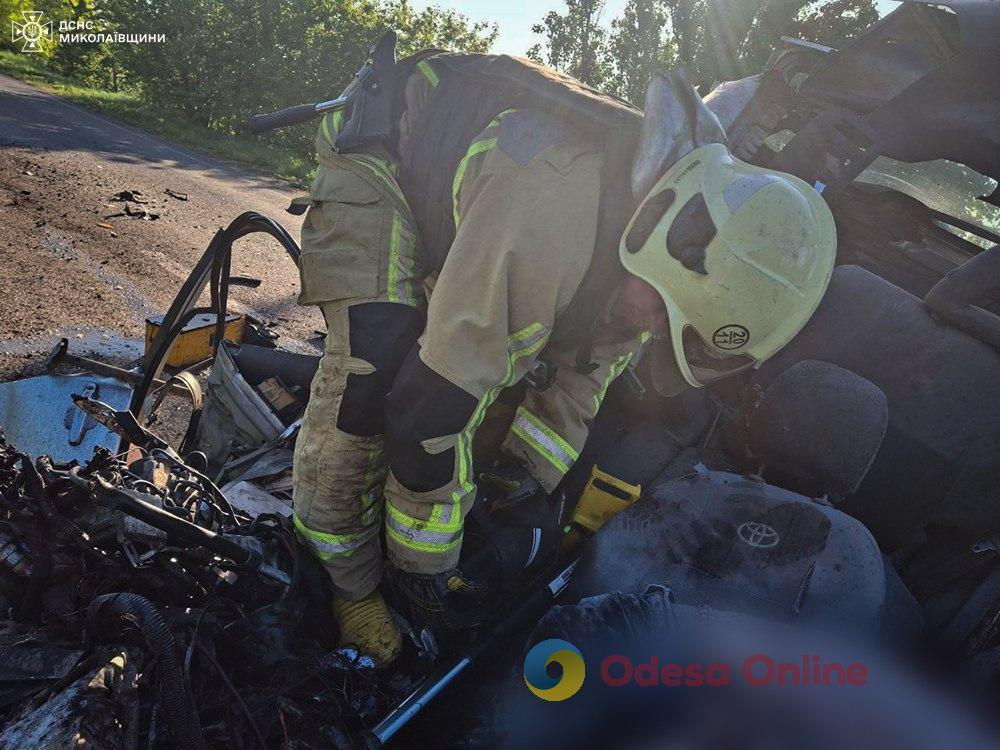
(154, 595)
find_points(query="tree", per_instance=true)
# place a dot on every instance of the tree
(722, 40)
(639, 46)
(718, 40)
(715, 40)
(834, 22)
(576, 43)
(223, 60)
(436, 27)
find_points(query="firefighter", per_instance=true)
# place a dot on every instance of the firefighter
(443, 264)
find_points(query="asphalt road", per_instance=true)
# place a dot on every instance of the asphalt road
(72, 267)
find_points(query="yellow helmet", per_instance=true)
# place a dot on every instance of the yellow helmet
(740, 255)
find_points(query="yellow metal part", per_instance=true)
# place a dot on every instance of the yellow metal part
(196, 341)
(604, 497)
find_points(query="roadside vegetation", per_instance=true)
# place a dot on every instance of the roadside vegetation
(129, 107)
(224, 60)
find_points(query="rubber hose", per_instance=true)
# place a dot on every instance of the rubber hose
(35, 487)
(113, 614)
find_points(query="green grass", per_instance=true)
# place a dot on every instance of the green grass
(130, 108)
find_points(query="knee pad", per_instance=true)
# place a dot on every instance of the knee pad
(420, 406)
(381, 333)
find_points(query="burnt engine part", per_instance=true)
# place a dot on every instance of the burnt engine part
(92, 705)
(109, 616)
(239, 415)
(212, 271)
(227, 654)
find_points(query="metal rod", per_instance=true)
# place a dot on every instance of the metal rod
(338, 103)
(60, 356)
(416, 700)
(534, 605)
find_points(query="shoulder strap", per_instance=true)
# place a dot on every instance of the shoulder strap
(459, 108)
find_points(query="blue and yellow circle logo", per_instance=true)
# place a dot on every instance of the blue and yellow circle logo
(536, 675)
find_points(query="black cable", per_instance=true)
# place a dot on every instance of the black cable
(206, 484)
(232, 688)
(194, 636)
(137, 483)
(109, 615)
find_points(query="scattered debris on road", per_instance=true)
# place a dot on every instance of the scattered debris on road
(129, 196)
(140, 213)
(133, 202)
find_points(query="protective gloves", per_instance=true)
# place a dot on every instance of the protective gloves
(443, 601)
(506, 484)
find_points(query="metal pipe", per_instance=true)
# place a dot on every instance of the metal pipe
(60, 356)
(419, 698)
(534, 605)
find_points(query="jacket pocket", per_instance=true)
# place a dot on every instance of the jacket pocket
(345, 238)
